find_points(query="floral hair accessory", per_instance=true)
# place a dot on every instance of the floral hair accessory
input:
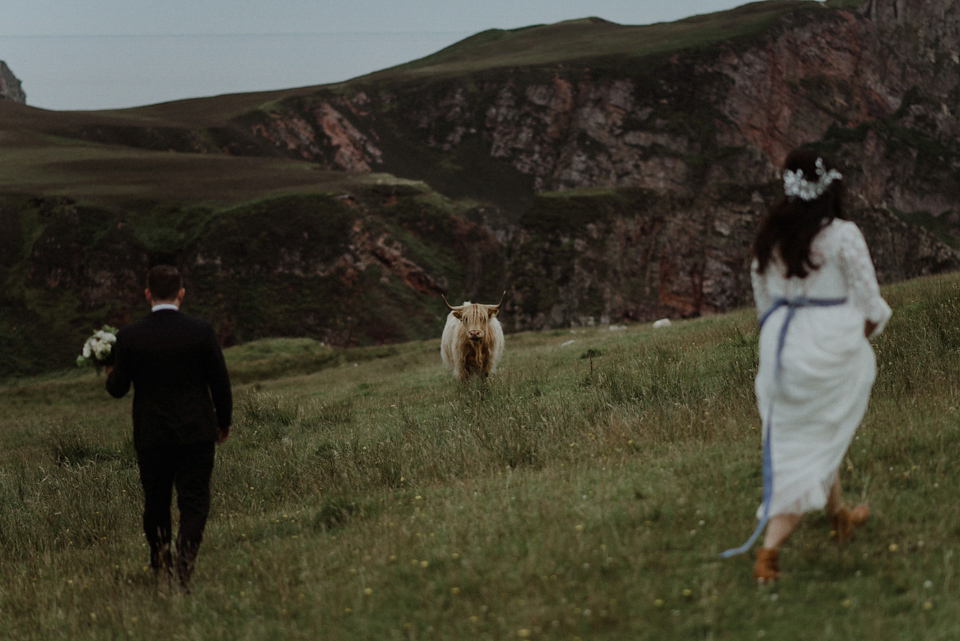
(794, 184)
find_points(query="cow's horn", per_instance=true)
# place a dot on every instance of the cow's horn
(497, 306)
(449, 306)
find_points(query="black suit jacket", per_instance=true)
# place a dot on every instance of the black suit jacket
(181, 385)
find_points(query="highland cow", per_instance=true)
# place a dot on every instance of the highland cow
(472, 340)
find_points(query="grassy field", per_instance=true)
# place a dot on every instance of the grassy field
(584, 492)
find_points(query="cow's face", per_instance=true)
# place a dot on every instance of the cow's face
(475, 319)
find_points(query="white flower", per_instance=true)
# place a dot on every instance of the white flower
(96, 350)
(101, 349)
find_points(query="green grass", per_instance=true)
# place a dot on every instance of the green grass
(125, 177)
(584, 491)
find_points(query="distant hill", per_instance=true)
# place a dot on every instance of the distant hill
(597, 172)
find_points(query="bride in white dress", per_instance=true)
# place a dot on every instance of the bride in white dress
(819, 303)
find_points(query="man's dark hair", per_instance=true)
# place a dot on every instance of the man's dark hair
(164, 282)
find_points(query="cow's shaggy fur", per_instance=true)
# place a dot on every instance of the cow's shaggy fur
(472, 341)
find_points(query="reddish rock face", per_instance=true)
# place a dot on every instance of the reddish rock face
(325, 134)
(708, 133)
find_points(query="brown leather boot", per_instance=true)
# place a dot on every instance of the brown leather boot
(766, 570)
(845, 521)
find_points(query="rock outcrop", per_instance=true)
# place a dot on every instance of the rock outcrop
(10, 86)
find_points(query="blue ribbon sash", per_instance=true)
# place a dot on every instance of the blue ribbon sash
(792, 305)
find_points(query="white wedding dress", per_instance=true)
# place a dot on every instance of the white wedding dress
(827, 365)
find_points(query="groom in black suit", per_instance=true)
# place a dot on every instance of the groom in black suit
(182, 406)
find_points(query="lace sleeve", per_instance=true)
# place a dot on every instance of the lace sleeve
(862, 288)
(761, 295)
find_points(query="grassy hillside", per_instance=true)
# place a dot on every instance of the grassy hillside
(584, 492)
(604, 43)
(36, 161)
(272, 266)
(598, 40)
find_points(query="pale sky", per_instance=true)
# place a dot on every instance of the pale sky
(100, 54)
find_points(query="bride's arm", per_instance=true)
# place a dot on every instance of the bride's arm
(862, 288)
(761, 296)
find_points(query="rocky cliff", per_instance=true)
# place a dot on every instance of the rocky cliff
(597, 172)
(10, 86)
(701, 131)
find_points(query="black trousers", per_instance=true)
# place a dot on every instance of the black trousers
(188, 468)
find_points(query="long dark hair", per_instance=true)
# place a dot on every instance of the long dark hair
(791, 223)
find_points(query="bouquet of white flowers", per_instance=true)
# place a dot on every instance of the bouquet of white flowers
(98, 350)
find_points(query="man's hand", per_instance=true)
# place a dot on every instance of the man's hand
(224, 434)
(108, 369)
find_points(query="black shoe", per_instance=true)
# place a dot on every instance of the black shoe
(186, 563)
(161, 561)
